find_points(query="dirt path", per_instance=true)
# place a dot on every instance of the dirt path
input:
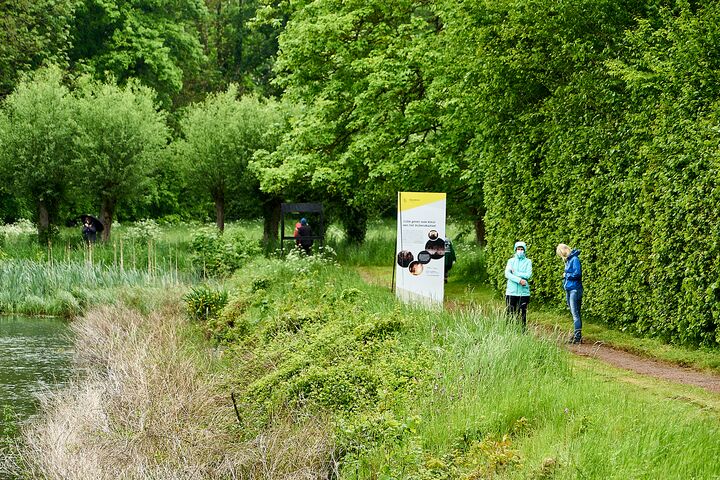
(617, 358)
(648, 366)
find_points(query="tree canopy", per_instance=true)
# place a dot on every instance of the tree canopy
(120, 139)
(37, 131)
(33, 34)
(219, 138)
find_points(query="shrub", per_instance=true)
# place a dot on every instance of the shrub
(217, 255)
(470, 264)
(143, 231)
(204, 303)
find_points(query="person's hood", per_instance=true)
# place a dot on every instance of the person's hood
(520, 244)
(574, 253)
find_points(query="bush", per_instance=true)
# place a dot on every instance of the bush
(204, 303)
(143, 231)
(217, 255)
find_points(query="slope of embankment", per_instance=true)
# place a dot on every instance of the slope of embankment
(333, 379)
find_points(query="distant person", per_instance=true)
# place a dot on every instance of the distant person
(305, 235)
(449, 257)
(517, 293)
(296, 233)
(89, 232)
(572, 284)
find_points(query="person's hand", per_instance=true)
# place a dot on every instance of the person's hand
(523, 282)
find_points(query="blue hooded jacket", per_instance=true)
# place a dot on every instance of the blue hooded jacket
(516, 269)
(572, 279)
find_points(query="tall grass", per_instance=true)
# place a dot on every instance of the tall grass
(42, 288)
(149, 405)
(65, 276)
(417, 393)
(500, 403)
(168, 247)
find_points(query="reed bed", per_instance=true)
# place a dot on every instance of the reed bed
(65, 288)
(149, 405)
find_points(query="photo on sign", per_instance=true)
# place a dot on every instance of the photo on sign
(404, 258)
(416, 268)
(424, 257)
(436, 248)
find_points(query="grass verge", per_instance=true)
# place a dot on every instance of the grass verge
(414, 393)
(464, 291)
(334, 379)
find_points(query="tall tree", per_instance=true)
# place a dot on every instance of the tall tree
(154, 41)
(37, 129)
(219, 138)
(362, 70)
(120, 138)
(241, 47)
(33, 33)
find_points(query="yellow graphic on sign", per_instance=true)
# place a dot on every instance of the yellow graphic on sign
(408, 200)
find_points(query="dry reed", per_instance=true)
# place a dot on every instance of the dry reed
(145, 405)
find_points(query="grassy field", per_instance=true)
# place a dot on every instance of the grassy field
(456, 394)
(65, 277)
(332, 377)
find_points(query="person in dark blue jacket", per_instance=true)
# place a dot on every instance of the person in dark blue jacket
(572, 283)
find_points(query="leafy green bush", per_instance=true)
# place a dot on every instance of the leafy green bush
(415, 393)
(204, 303)
(309, 338)
(218, 255)
(143, 231)
(629, 177)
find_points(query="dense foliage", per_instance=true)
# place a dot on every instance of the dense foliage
(592, 123)
(619, 159)
(33, 33)
(37, 131)
(121, 136)
(219, 138)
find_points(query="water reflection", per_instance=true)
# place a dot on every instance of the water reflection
(35, 354)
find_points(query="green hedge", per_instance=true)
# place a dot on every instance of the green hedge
(621, 161)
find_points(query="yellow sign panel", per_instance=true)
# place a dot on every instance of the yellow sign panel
(408, 200)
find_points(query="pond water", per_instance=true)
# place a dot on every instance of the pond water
(35, 355)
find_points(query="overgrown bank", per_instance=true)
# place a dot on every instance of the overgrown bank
(332, 378)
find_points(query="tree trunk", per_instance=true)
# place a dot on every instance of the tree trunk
(220, 211)
(43, 221)
(355, 223)
(479, 223)
(107, 211)
(271, 221)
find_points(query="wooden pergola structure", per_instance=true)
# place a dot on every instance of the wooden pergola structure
(300, 209)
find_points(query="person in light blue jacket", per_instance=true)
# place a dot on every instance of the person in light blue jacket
(518, 272)
(572, 283)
